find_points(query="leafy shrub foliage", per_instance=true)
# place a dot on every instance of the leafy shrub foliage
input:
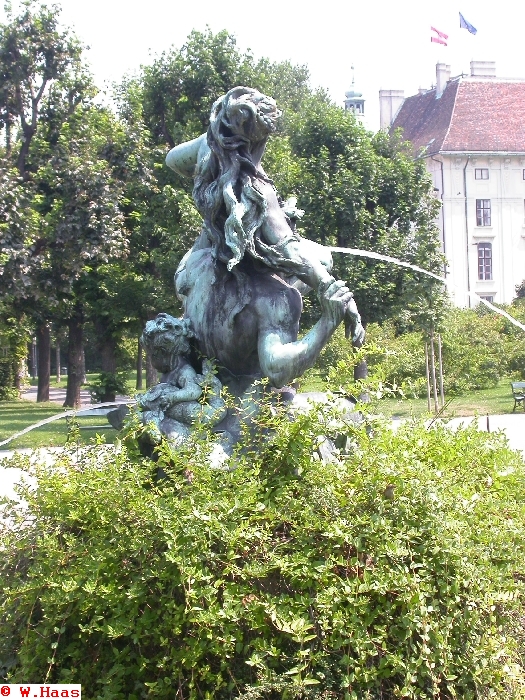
(473, 350)
(396, 572)
(107, 386)
(14, 337)
(478, 348)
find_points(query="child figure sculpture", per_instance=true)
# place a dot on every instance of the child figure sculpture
(183, 396)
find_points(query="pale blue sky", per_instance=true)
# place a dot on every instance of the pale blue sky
(388, 42)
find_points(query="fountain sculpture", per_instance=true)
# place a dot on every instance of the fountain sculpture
(241, 282)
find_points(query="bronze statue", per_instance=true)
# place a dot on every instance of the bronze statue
(241, 282)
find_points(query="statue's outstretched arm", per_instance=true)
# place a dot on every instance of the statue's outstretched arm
(282, 361)
(183, 158)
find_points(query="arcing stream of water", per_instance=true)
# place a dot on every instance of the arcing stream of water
(448, 283)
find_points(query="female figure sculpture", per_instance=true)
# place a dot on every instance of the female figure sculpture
(240, 281)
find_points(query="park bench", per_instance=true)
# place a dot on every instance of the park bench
(518, 392)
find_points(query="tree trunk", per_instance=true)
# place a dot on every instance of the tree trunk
(83, 380)
(22, 157)
(138, 384)
(57, 351)
(7, 124)
(151, 372)
(361, 372)
(107, 348)
(74, 356)
(108, 355)
(34, 368)
(43, 338)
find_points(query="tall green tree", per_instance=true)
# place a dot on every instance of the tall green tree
(365, 191)
(81, 207)
(43, 81)
(36, 57)
(75, 207)
(180, 86)
(160, 225)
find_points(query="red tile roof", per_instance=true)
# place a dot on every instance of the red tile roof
(471, 115)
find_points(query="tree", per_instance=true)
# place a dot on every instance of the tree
(43, 83)
(366, 192)
(75, 208)
(35, 57)
(180, 87)
(84, 222)
(160, 225)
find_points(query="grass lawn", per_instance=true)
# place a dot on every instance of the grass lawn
(497, 400)
(17, 415)
(90, 377)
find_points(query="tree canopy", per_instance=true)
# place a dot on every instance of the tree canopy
(92, 223)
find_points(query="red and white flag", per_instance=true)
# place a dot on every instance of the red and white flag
(440, 38)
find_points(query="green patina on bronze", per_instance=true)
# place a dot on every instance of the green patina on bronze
(241, 282)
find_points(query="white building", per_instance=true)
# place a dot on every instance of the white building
(471, 132)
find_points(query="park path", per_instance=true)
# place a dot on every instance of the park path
(58, 395)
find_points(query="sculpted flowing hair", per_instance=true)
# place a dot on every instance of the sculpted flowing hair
(225, 190)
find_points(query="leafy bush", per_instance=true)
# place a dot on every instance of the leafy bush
(514, 339)
(14, 337)
(402, 361)
(478, 348)
(396, 572)
(473, 350)
(107, 386)
(395, 360)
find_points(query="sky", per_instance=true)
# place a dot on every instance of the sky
(388, 43)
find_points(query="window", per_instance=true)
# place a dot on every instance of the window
(485, 261)
(487, 297)
(481, 173)
(483, 212)
(524, 173)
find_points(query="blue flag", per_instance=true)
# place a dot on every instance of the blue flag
(466, 25)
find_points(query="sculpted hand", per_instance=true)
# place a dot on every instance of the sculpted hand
(334, 297)
(353, 326)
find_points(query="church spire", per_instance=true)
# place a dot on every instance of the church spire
(354, 101)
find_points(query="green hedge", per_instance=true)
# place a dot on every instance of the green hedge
(479, 348)
(396, 572)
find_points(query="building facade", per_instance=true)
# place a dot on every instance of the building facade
(471, 132)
